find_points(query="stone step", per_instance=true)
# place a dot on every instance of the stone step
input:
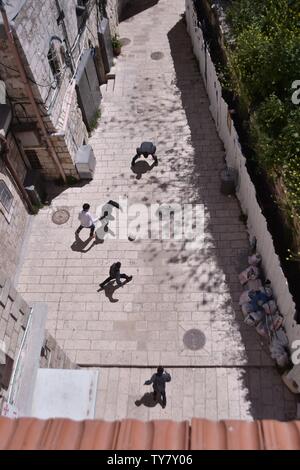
(110, 86)
(112, 73)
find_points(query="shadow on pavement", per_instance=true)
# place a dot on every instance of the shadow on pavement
(226, 241)
(134, 7)
(147, 400)
(142, 167)
(110, 289)
(54, 189)
(80, 245)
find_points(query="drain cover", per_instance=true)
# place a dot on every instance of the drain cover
(194, 339)
(157, 55)
(60, 217)
(125, 41)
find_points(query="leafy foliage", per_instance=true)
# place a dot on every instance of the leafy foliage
(263, 64)
(116, 41)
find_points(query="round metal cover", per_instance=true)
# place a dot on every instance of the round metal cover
(125, 41)
(157, 55)
(60, 217)
(194, 339)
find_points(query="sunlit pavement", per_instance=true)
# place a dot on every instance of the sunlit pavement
(176, 286)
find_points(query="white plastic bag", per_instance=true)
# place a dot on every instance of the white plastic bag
(255, 259)
(252, 272)
(278, 348)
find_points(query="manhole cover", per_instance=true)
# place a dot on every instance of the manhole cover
(60, 217)
(194, 339)
(125, 41)
(157, 55)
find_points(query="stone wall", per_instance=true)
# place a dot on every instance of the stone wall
(44, 24)
(13, 222)
(23, 111)
(53, 357)
(14, 315)
(256, 222)
(35, 26)
(112, 10)
(71, 134)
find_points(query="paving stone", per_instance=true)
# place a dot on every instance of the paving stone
(176, 285)
(4, 291)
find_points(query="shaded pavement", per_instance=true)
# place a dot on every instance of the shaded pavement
(157, 96)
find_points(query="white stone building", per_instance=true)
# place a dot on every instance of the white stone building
(54, 39)
(57, 44)
(51, 68)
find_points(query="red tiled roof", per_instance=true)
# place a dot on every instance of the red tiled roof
(59, 434)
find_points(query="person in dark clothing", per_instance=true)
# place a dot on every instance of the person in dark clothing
(114, 273)
(159, 384)
(146, 149)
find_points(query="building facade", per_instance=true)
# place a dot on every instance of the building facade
(25, 347)
(46, 114)
(52, 39)
(52, 64)
(13, 211)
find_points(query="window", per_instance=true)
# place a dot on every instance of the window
(82, 14)
(56, 58)
(33, 159)
(6, 198)
(102, 8)
(6, 372)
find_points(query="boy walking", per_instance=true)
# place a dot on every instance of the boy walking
(159, 384)
(86, 220)
(114, 273)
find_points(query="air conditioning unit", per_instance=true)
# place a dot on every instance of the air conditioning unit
(5, 118)
(85, 162)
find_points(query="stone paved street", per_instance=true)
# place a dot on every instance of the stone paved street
(212, 393)
(177, 285)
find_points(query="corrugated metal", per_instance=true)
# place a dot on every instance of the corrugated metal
(64, 434)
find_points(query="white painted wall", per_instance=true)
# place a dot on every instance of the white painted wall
(61, 393)
(257, 225)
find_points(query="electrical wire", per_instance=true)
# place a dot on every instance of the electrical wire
(62, 72)
(33, 81)
(89, 10)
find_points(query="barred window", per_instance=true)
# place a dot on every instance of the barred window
(6, 198)
(56, 58)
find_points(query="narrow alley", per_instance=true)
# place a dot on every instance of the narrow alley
(157, 95)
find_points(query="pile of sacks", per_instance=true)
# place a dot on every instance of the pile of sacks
(260, 310)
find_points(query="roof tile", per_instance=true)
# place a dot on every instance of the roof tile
(231, 435)
(282, 436)
(129, 434)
